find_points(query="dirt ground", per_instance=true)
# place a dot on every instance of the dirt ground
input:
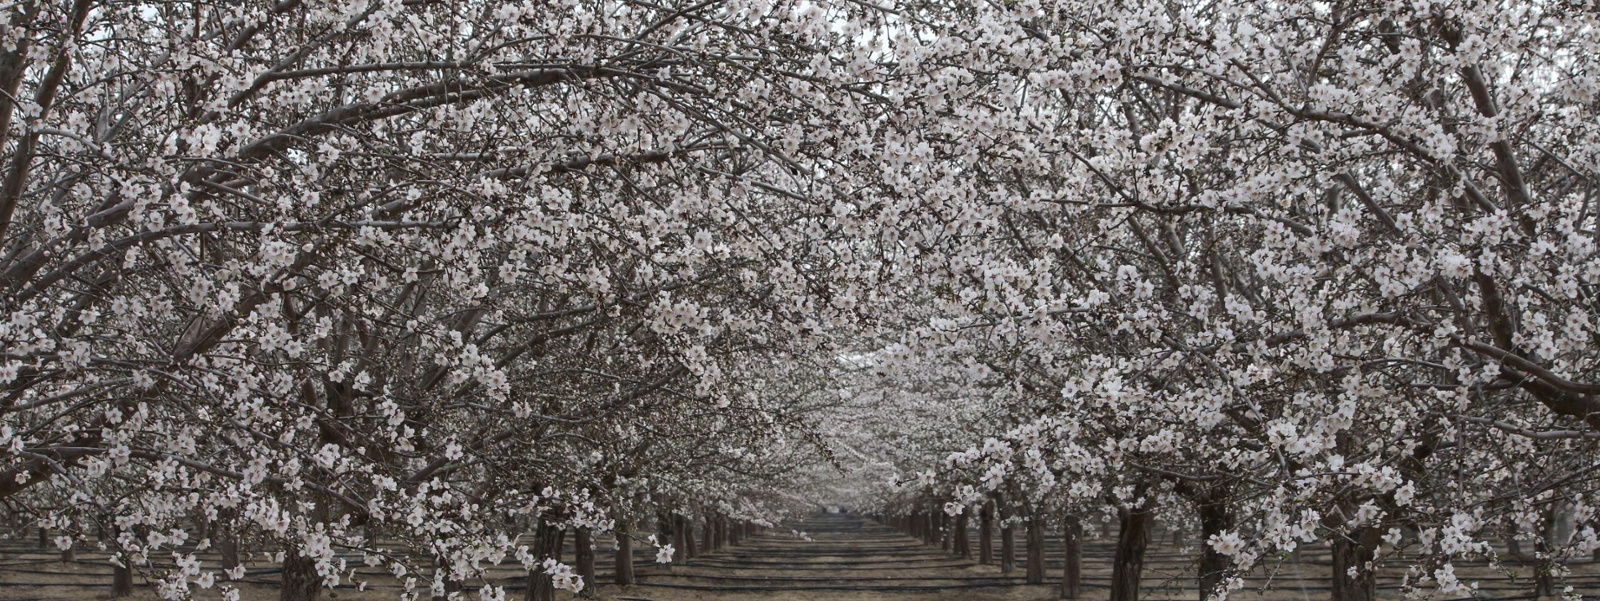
(848, 559)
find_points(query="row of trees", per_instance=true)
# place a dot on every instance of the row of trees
(444, 270)
(1293, 274)
(402, 281)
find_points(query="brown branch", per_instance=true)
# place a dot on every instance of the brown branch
(22, 157)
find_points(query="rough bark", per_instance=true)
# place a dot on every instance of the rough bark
(229, 548)
(1072, 568)
(680, 539)
(1128, 563)
(692, 548)
(583, 547)
(1354, 551)
(624, 557)
(963, 544)
(1215, 519)
(122, 580)
(547, 543)
(300, 581)
(1035, 549)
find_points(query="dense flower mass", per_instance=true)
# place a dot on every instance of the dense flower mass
(293, 274)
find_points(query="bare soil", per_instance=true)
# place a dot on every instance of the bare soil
(848, 558)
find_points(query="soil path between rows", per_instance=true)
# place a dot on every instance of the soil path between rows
(836, 557)
(826, 557)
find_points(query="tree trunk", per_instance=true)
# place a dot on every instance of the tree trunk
(986, 533)
(299, 578)
(624, 558)
(1215, 519)
(1072, 570)
(1008, 546)
(680, 539)
(122, 579)
(583, 544)
(963, 544)
(688, 538)
(1128, 563)
(1035, 563)
(69, 554)
(229, 547)
(708, 535)
(547, 544)
(1353, 552)
(1543, 583)
(44, 537)
(945, 531)
(665, 536)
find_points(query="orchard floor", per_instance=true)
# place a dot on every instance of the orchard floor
(847, 558)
